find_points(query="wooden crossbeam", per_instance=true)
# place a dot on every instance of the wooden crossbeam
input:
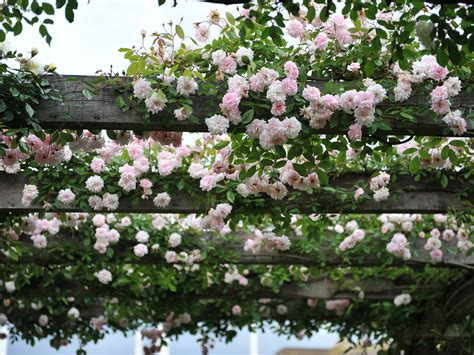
(325, 256)
(374, 288)
(412, 197)
(101, 112)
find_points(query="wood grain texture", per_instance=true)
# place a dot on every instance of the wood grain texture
(374, 288)
(101, 112)
(412, 197)
(326, 256)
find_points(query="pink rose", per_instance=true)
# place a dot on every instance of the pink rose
(229, 66)
(439, 93)
(236, 310)
(290, 86)
(359, 192)
(278, 108)
(331, 101)
(291, 70)
(353, 67)
(230, 101)
(440, 107)
(321, 41)
(311, 93)
(355, 132)
(295, 28)
(437, 72)
(436, 255)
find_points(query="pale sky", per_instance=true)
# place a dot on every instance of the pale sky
(100, 28)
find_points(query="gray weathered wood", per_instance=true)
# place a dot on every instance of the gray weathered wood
(374, 288)
(101, 112)
(325, 256)
(414, 197)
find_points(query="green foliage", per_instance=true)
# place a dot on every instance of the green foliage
(25, 91)
(143, 295)
(32, 12)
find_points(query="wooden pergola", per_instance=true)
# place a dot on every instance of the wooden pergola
(101, 112)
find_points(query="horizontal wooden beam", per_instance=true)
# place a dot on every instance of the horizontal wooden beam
(460, 302)
(101, 112)
(374, 288)
(412, 197)
(326, 256)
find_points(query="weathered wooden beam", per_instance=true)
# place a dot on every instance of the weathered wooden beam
(412, 197)
(374, 288)
(101, 112)
(460, 302)
(326, 256)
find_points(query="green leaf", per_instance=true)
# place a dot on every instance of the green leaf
(454, 54)
(323, 177)
(369, 68)
(324, 14)
(247, 117)
(414, 165)
(230, 18)
(470, 251)
(311, 14)
(442, 57)
(17, 28)
(445, 152)
(3, 106)
(455, 143)
(444, 181)
(87, 93)
(125, 154)
(29, 110)
(281, 152)
(295, 151)
(120, 101)
(383, 126)
(407, 115)
(181, 184)
(425, 155)
(132, 69)
(70, 7)
(221, 145)
(471, 48)
(230, 196)
(245, 59)
(48, 8)
(410, 151)
(279, 164)
(141, 66)
(13, 255)
(179, 31)
(111, 134)
(300, 169)
(69, 14)
(252, 171)
(14, 91)
(381, 33)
